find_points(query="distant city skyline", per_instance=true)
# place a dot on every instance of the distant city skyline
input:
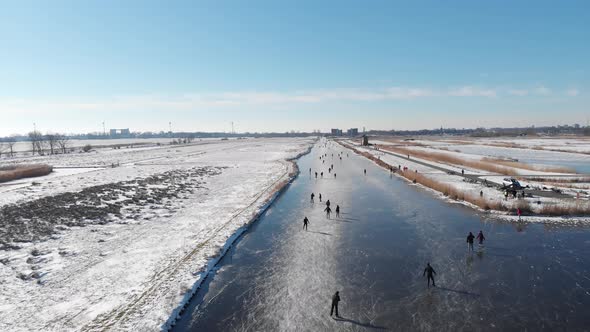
(276, 67)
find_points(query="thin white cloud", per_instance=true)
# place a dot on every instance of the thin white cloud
(212, 100)
(470, 91)
(517, 92)
(542, 90)
(572, 92)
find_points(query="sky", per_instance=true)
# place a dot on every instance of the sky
(69, 66)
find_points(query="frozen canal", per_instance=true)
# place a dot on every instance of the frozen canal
(280, 278)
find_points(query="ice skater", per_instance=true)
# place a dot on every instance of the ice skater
(328, 211)
(334, 175)
(480, 238)
(365, 171)
(328, 203)
(518, 212)
(429, 272)
(305, 223)
(320, 198)
(316, 175)
(335, 300)
(337, 211)
(470, 238)
(312, 196)
(322, 174)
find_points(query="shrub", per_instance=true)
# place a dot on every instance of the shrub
(87, 148)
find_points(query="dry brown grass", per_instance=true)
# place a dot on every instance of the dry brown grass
(516, 164)
(524, 206)
(458, 141)
(9, 173)
(449, 159)
(558, 180)
(445, 189)
(452, 192)
(499, 166)
(566, 151)
(506, 145)
(579, 208)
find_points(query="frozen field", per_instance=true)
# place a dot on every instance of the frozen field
(78, 143)
(96, 247)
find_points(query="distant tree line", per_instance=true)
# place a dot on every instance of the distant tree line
(49, 143)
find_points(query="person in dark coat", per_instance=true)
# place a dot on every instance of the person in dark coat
(480, 237)
(305, 223)
(365, 172)
(312, 196)
(320, 197)
(429, 272)
(328, 211)
(338, 211)
(328, 203)
(470, 238)
(335, 300)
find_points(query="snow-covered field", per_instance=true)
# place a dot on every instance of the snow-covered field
(119, 248)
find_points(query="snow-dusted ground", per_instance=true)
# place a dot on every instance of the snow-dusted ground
(120, 248)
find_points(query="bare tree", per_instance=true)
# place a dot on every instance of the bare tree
(62, 142)
(11, 142)
(37, 141)
(52, 142)
(34, 137)
(2, 147)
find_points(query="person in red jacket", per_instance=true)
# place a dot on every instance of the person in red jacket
(480, 237)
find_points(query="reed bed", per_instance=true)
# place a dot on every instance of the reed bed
(580, 208)
(10, 173)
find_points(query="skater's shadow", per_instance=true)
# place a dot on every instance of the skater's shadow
(366, 325)
(458, 291)
(346, 216)
(344, 219)
(323, 233)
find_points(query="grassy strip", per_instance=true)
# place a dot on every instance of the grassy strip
(9, 173)
(491, 165)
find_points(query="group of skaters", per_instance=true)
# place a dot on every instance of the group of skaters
(470, 237)
(429, 271)
(327, 209)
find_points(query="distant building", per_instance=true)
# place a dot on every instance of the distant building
(116, 133)
(352, 132)
(336, 132)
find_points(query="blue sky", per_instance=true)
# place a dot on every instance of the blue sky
(292, 65)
